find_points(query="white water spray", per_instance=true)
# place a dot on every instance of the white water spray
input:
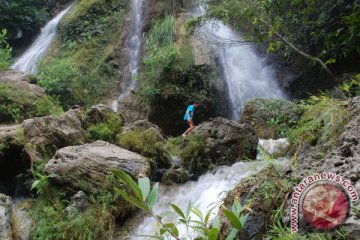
(205, 193)
(246, 74)
(134, 46)
(28, 62)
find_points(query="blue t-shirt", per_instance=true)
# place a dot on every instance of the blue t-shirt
(189, 113)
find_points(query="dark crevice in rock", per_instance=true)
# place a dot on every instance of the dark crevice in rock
(14, 166)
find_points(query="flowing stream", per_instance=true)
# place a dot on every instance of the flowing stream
(206, 193)
(134, 47)
(246, 74)
(28, 62)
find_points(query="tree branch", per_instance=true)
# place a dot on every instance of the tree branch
(284, 40)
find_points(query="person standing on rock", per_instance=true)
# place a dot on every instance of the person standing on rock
(188, 118)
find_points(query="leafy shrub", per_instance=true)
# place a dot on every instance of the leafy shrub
(48, 105)
(146, 143)
(322, 122)
(5, 51)
(203, 227)
(169, 81)
(53, 222)
(57, 79)
(107, 130)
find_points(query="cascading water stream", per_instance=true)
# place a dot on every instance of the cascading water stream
(206, 193)
(29, 60)
(134, 46)
(246, 74)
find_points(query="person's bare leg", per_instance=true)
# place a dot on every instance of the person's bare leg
(189, 129)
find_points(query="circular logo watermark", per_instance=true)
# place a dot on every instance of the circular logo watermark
(325, 206)
(324, 200)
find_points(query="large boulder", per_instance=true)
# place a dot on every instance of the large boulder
(20, 81)
(141, 125)
(269, 116)
(218, 141)
(44, 135)
(17, 96)
(5, 217)
(86, 167)
(131, 108)
(100, 114)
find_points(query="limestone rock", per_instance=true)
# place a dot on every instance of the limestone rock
(5, 212)
(143, 125)
(344, 158)
(22, 220)
(131, 108)
(275, 147)
(267, 116)
(85, 167)
(20, 82)
(79, 203)
(227, 141)
(49, 133)
(99, 113)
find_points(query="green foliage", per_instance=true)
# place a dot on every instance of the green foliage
(146, 143)
(169, 80)
(142, 196)
(82, 60)
(48, 105)
(107, 130)
(26, 16)
(57, 77)
(328, 30)
(352, 87)
(5, 50)
(53, 222)
(322, 122)
(18, 105)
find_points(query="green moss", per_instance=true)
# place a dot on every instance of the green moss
(146, 143)
(321, 124)
(18, 105)
(193, 155)
(106, 130)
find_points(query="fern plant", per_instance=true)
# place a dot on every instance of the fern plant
(144, 197)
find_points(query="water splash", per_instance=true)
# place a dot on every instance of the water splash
(206, 193)
(28, 62)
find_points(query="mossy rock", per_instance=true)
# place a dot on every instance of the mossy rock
(263, 193)
(270, 117)
(216, 142)
(175, 176)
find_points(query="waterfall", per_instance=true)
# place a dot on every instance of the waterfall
(134, 47)
(206, 193)
(246, 74)
(29, 60)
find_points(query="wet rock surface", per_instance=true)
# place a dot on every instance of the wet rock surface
(85, 167)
